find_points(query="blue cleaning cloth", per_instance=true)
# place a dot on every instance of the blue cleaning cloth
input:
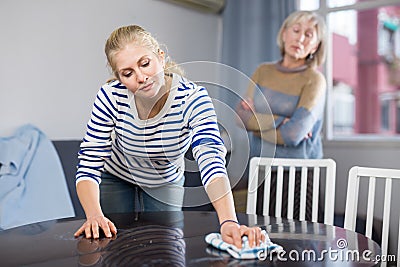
(246, 252)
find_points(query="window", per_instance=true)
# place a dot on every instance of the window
(362, 68)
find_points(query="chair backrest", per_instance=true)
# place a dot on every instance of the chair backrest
(255, 180)
(371, 175)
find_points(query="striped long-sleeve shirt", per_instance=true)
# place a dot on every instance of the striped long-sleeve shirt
(151, 152)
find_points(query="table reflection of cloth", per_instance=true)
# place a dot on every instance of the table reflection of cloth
(32, 181)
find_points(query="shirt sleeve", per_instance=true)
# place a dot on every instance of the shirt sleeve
(207, 145)
(96, 145)
(251, 119)
(310, 109)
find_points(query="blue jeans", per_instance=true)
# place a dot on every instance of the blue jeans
(119, 196)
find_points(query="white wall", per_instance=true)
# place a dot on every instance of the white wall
(53, 64)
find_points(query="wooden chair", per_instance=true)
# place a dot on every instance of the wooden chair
(372, 176)
(291, 165)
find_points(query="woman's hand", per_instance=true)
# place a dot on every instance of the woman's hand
(232, 233)
(244, 111)
(247, 104)
(307, 136)
(91, 227)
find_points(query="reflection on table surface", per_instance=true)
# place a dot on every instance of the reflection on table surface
(177, 239)
(149, 245)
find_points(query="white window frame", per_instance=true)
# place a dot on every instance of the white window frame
(356, 140)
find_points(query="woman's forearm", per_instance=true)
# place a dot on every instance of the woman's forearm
(89, 196)
(272, 136)
(254, 121)
(220, 194)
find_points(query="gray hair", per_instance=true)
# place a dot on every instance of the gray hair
(318, 58)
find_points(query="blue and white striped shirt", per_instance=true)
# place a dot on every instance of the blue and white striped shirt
(151, 152)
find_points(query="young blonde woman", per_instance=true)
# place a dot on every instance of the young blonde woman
(141, 125)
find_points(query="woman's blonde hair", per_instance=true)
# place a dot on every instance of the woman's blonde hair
(125, 35)
(318, 58)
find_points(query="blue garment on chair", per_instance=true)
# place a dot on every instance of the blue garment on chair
(32, 182)
(246, 252)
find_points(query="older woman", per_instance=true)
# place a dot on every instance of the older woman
(294, 90)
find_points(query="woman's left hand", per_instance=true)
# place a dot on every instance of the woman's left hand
(232, 233)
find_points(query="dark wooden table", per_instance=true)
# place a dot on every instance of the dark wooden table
(177, 239)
